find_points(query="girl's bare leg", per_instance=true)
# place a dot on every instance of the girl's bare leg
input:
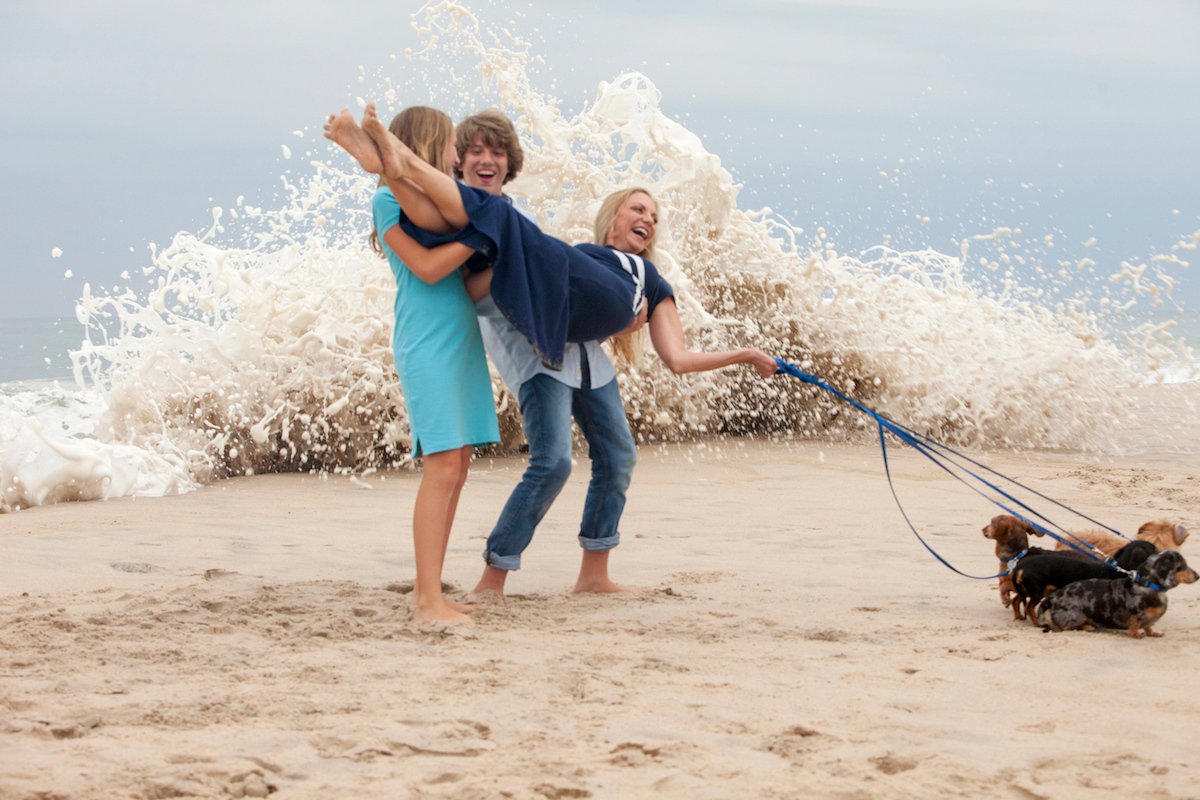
(342, 130)
(399, 162)
(452, 507)
(440, 482)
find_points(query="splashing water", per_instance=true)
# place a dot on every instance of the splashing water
(264, 344)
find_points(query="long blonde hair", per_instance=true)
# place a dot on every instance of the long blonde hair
(427, 132)
(627, 346)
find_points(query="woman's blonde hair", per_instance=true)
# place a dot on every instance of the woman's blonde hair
(427, 132)
(627, 346)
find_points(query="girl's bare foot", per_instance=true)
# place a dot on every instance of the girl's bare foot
(462, 608)
(438, 610)
(344, 131)
(393, 152)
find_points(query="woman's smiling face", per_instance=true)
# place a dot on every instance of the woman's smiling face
(634, 224)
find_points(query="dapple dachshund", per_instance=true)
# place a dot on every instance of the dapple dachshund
(1123, 603)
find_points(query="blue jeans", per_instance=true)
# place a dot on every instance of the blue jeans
(547, 407)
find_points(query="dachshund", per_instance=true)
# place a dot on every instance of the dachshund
(1035, 578)
(1129, 603)
(1012, 539)
(1163, 534)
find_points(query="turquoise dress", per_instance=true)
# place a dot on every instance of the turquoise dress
(439, 353)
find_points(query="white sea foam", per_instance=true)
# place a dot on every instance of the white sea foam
(264, 343)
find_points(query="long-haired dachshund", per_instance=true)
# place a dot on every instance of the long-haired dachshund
(1012, 539)
(1122, 603)
(1163, 534)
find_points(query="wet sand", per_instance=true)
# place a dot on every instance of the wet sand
(795, 641)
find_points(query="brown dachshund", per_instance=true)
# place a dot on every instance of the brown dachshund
(1012, 539)
(1164, 535)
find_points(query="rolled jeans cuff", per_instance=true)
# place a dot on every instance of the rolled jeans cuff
(506, 563)
(601, 544)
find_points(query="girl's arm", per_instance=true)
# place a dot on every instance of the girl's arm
(419, 207)
(428, 264)
(666, 334)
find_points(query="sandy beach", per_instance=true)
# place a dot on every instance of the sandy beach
(795, 640)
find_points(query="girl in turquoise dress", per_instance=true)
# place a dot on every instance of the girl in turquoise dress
(440, 360)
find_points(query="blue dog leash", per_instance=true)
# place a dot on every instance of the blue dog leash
(927, 446)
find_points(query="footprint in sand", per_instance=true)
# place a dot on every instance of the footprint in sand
(892, 764)
(552, 792)
(793, 743)
(412, 737)
(132, 566)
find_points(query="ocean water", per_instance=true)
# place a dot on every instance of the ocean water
(37, 349)
(263, 343)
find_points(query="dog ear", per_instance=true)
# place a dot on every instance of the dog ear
(1181, 533)
(1030, 529)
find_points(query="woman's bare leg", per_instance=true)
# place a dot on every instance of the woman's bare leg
(399, 162)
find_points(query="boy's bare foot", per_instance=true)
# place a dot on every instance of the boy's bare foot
(487, 597)
(490, 588)
(593, 576)
(604, 586)
(393, 152)
(342, 130)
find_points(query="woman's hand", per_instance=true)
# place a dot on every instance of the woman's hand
(765, 364)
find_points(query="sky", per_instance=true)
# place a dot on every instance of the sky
(917, 123)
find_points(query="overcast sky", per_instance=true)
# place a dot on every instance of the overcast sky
(124, 121)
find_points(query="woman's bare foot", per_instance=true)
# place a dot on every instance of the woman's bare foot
(342, 130)
(394, 153)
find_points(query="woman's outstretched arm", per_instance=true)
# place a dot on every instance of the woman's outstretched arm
(666, 334)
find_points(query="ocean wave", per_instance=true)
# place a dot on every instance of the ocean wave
(264, 343)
